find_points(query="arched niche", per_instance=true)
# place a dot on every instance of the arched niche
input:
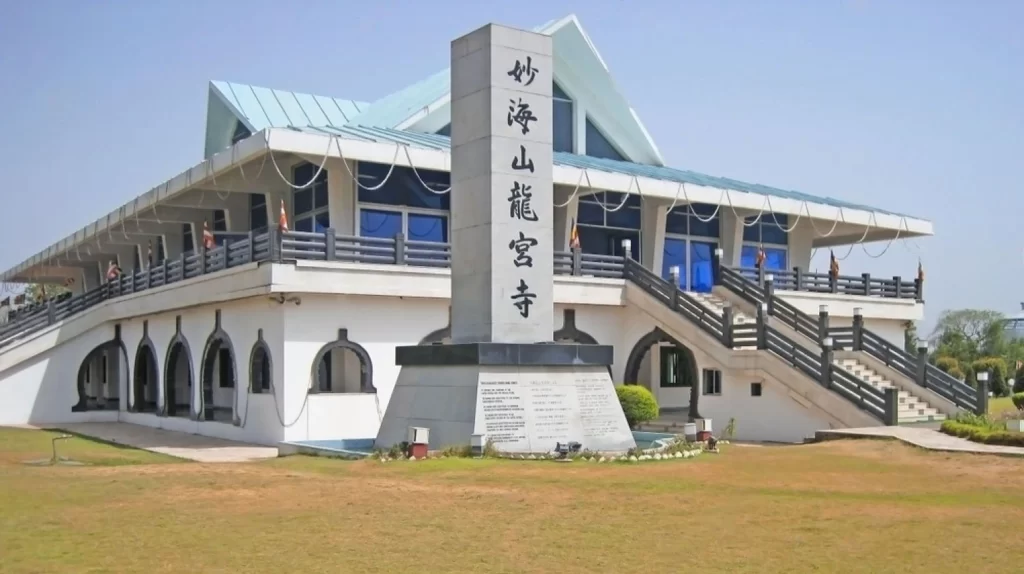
(178, 377)
(146, 376)
(103, 375)
(219, 372)
(332, 369)
(261, 366)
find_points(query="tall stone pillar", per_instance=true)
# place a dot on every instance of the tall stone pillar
(503, 377)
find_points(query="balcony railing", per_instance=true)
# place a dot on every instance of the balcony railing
(274, 246)
(864, 285)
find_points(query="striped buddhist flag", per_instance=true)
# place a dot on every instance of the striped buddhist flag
(282, 220)
(209, 242)
(574, 236)
(833, 264)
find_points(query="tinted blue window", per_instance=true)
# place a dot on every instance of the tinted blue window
(605, 208)
(590, 214)
(428, 228)
(766, 230)
(257, 211)
(562, 130)
(241, 132)
(403, 187)
(700, 266)
(445, 131)
(604, 241)
(313, 196)
(774, 258)
(681, 221)
(674, 255)
(599, 146)
(378, 223)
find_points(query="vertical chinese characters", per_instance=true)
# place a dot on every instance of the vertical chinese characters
(521, 116)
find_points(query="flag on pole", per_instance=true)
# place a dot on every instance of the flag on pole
(149, 253)
(282, 221)
(833, 264)
(759, 262)
(574, 237)
(920, 271)
(209, 242)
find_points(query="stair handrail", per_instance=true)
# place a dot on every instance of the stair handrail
(878, 403)
(923, 373)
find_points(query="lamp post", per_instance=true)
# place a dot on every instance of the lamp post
(981, 398)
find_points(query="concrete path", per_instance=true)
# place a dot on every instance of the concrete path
(921, 437)
(182, 445)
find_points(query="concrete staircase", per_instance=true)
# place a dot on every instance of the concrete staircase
(912, 409)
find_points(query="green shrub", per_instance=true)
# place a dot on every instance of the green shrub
(996, 368)
(638, 404)
(947, 364)
(1018, 381)
(1018, 400)
(982, 434)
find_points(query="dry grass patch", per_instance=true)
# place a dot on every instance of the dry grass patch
(841, 506)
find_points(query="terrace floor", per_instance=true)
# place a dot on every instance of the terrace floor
(921, 437)
(176, 444)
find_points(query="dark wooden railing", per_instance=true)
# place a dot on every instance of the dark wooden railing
(865, 285)
(855, 338)
(243, 248)
(881, 404)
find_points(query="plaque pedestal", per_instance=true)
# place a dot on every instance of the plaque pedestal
(525, 398)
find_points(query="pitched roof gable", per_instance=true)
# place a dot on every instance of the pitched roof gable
(260, 108)
(579, 70)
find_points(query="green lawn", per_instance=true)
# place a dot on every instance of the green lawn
(998, 405)
(865, 506)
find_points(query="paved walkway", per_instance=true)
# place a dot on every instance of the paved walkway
(922, 437)
(182, 445)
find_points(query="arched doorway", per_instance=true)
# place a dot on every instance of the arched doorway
(219, 378)
(668, 368)
(101, 376)
(145, 387)
(342, 366)
(178, 379)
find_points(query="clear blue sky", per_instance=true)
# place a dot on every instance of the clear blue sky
(912, 106)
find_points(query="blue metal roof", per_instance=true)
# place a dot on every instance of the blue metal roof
(394, 109)
(441, 142)
(264, 108)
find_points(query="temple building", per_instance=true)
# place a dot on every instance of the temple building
(259, 295)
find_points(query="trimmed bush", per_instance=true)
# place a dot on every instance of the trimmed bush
(996, 368)
(982, 434)
(638, 404)
(947, 364)
(1018, 401)
(1018, 381)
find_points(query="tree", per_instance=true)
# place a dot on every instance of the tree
(910, 337)
(38, 292)
(969, 334)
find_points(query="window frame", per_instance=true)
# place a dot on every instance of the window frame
(263, 209)
(664, 352)
(405, 211)
(757, 389)
(711, 378)
(311, 215)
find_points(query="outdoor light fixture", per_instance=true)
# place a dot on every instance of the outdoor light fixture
(826, 342)
(823, 308)
(983, 377)
(922, 345)
(857, 311)
(627, 245)
(764, 307)
(720, 252)
(769, 277)
(675, 272)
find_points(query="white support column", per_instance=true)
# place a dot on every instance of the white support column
(342, 196)
(653, 217)
(801, 244)
(731, 236)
